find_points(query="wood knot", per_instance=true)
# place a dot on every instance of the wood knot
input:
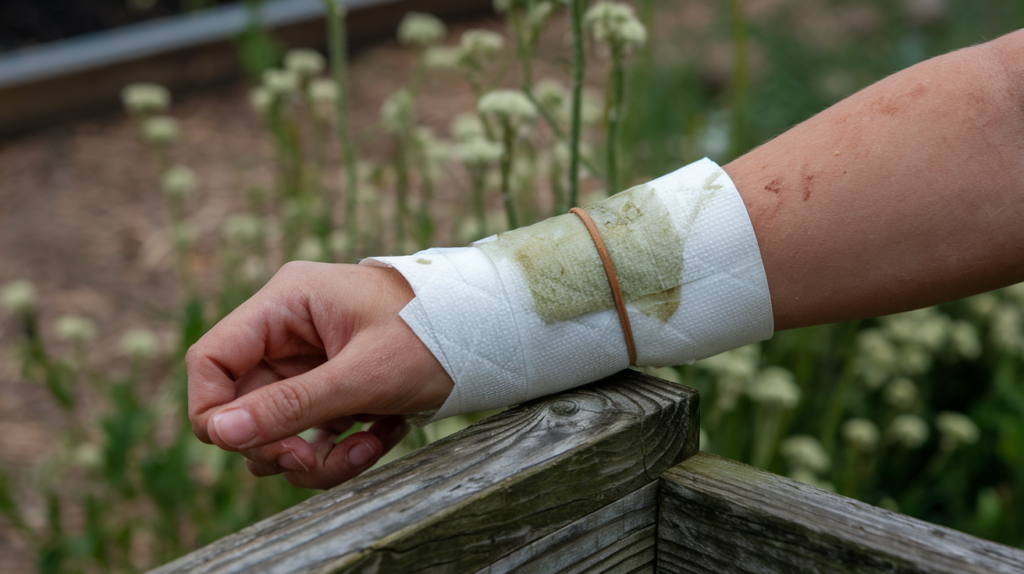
(564, 408)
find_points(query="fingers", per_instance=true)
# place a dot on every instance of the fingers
(352, 456)
(276, 322)
(379, 371)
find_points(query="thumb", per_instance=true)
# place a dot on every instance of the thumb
(381, 371)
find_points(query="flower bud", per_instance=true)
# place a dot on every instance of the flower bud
(956, 430)
(441, 57)
(861, 434)
(421, 30)
(615, 24)
(19, 297)
(140, 344)
(75, 329)
(179, 181)
(145, 98)
(478, 152)
(775, 387)
(280, 82)
(261, 99)
(901, 393)
(160, 130)
(396, 112)
(304, 62)
(508, 104)
(805, 452)
(909, 431)
(480, 44)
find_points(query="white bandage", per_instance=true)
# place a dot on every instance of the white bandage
(529, 313)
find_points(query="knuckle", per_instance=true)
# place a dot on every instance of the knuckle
(291, 402)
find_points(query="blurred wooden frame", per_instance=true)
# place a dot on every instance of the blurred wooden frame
(54, 83)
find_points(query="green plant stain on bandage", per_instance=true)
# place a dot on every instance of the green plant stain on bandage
(563, 269)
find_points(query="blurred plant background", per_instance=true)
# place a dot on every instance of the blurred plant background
(922, 413)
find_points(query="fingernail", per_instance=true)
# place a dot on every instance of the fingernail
(289, 461)
(360, 455)
(235, 427)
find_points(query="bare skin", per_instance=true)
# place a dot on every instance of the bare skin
(904, 195)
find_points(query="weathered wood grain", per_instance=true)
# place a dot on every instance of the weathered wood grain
(720, 516)
(618, 538)
(462, 503)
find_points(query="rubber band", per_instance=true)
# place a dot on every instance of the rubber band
(613, 281)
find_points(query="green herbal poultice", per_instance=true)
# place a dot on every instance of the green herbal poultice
(563, 270)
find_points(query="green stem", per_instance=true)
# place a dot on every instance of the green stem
(766, 429)
(616, 89)
(337, 42)
(401, 192)
(509, 136)
(740, 78)
(576, 8)
(479, 208)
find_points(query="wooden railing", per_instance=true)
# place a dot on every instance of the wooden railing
(605, 478)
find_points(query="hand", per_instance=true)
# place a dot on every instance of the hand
(320, 346)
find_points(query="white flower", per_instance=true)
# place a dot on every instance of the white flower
(861, 434)
(310, 249)
(467, 126)
(145, 98)
(924, 327)
(244, 228)
(876, 357)
(261, 99)
(140, 344)
(19, 297)
(75, 329)
(964, 339)
(179, 181)
(901, 393)
(441, 57)
(983, 304)
(552, 95)
(160, 130)
(421, 30)
(775, 387)
(956, 429)
(280, 82)
(615, 24)
(396, 112)
(512, 105)
(1006, 328)
(480, 44)
(338, 241)
(805, 451)
(323, 90)
(909, 431)
(738, 363)
(304, 62)
(478, 151)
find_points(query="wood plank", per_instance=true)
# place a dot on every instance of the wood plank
(462, 503)
(618, 538)
(720, 516)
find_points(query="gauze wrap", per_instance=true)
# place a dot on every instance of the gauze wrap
(528, 313)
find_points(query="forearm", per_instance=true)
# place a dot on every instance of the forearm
(906, 194)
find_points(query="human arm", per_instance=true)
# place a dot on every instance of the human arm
(906, 194)
(920, 205)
